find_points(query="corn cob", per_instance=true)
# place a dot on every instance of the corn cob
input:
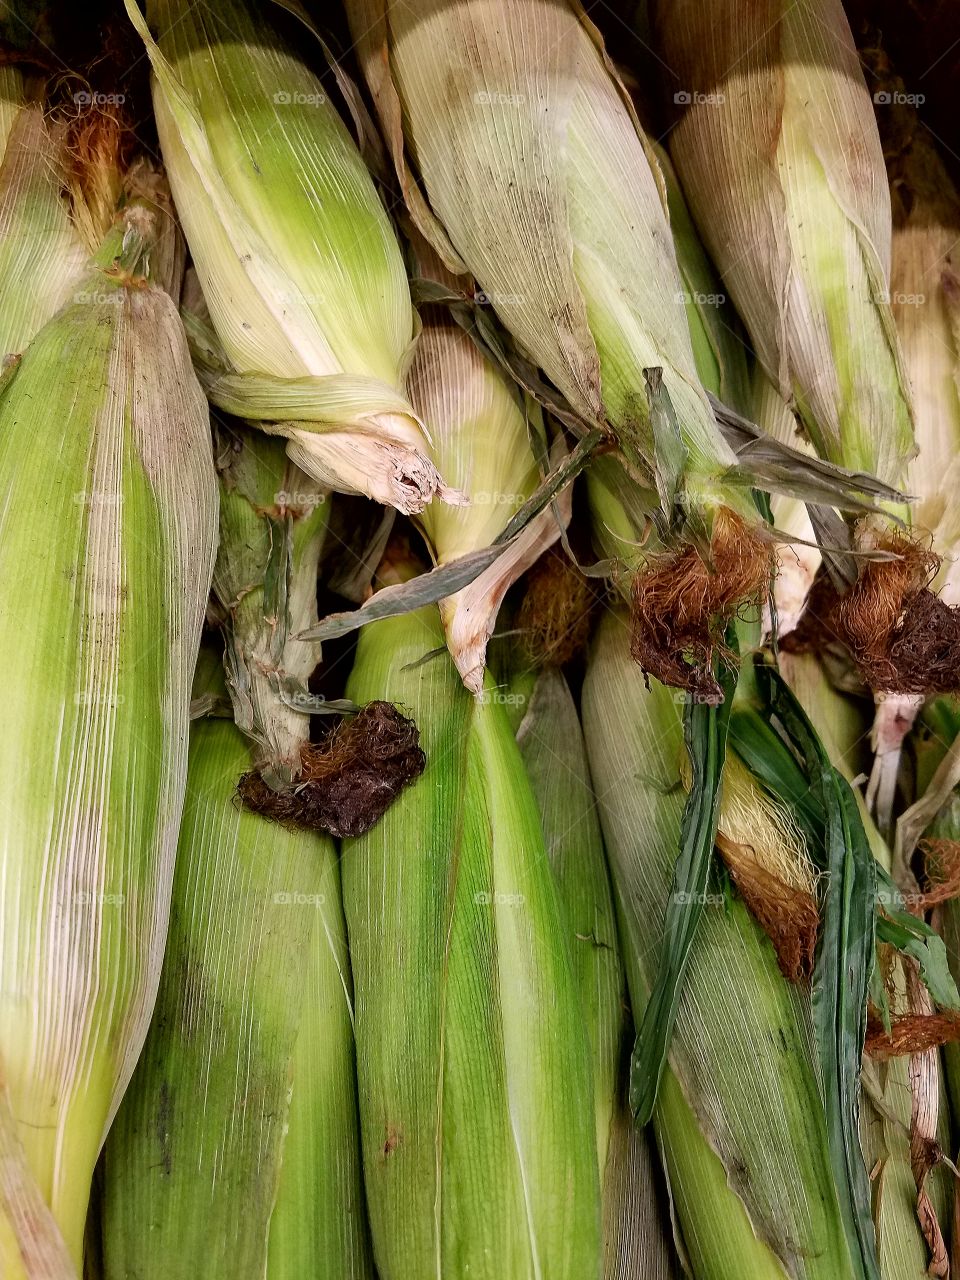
(300, 267)
(739, 1118)
(636, 1240)
(256, 1170)
(542, 185)
(106, 458)
(476, 1103)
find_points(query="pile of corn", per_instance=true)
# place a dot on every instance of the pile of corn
(480, 589)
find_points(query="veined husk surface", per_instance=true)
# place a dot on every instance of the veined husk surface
(482, 444)
(245, 1094)
(739, 1119)
(476, 1091)
(300, 268)
(779, 156)
(108, 534)
(42, 256)
(537, 179)
(636, 1229)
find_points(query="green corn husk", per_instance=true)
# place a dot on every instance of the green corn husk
(110, 529)
(541, 184)
(273, 520)
(739, 1118)
(893, 1089)
(636, 1231)
(300, 267)
(43, 259)
(253, 1171)
(482, 445)
(476, 1104)
(779, 156)
(719, 349)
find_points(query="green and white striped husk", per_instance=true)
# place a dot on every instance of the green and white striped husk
(300, 267)
(273, 518)
(719, 350)
(542, 185)
(238, 1140)
(889, 1088)
(739, 1118)
(109, 529)
(481, 444)
(42, 257)
(779, 156)
(636, 1238)
(476, 1091)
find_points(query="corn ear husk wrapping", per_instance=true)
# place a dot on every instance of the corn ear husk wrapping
(636, 1237)
(238, 1140)
(739, 1119)
(42, 257)
(719, 348)
(475, 1084)
(109, 529)
(540, 183)
(299, 265)
(481, 444)
(779, 156)
(273, 519)
(892, 1089)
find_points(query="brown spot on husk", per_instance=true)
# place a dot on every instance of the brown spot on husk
(349, 780)
(393, 1140)
(681, 605)
(910, 1033)
(788, 916)
(903, 637)
(555, 615)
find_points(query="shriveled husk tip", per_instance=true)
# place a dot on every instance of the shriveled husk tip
(297, 288)
(777, 149)
(481, 442)
(681, 604)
